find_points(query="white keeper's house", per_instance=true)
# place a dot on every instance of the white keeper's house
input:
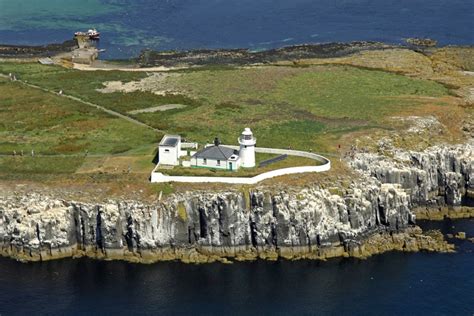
(215, 156)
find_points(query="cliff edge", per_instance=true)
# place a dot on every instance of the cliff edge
(372, 215)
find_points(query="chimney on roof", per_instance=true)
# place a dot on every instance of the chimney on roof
(217, 142)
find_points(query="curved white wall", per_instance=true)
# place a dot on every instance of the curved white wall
(326, 165)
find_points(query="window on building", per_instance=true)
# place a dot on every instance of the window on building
(204, 161)
(167, 150)
(218, 162)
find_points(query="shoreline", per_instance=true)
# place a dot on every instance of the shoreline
(371, 217)
(36, 51)
(154, 60)
(411, 239)
(439, 214)
(316, 222)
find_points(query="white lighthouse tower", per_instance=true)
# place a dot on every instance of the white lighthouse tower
(247, 148)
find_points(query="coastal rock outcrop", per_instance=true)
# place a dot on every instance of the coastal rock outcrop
(241, 57)
(373, 215)
(23, 51)
(438, 177)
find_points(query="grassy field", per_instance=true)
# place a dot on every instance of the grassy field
(84, 85)
(39, 165)
(305, 108)
(49, 125)
(328, 91)
(298, 107)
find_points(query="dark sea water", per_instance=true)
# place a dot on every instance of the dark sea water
(128, 26)
(388, 284)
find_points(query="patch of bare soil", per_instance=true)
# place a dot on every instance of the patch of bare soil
(160, 108)
(109, 67)
(116, 165)
(156, 83)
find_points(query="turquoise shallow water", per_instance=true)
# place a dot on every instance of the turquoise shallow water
(389, 284)
(128, 26)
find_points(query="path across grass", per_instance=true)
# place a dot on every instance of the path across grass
(111, 112)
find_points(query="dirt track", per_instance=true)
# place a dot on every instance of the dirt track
(101, 108)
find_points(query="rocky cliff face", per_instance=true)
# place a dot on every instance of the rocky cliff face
(372, 215)
(440, 176)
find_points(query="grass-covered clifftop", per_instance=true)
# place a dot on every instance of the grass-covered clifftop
(312, 104)
(284, 105)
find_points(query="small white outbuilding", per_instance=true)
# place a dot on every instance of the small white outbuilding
(169, 150)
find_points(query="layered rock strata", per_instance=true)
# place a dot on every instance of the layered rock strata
(439, 181)
(373, 215)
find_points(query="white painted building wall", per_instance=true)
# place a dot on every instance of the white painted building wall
(189, 145)
(211, 163)
(247, 155)
(186, 163)
(247, 149)
(168, 155)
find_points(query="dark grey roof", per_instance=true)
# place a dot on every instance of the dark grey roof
(216, 153)
(169, 141)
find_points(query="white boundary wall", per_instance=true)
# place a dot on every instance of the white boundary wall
(189, 145)
(158, 177)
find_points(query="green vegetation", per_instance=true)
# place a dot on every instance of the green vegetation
(39, 165)
(306, 108)
(303, 108)
(84, 85)
(48, 124)
(290, 161)
(163, 188)
(329, 91)
(54, 126)
(350, 92)
(182, 212)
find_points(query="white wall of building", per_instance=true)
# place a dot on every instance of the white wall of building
(211, 163)
(247, 156)
(186, 163)
(189, 145)
(168, 155)
(247, 148)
